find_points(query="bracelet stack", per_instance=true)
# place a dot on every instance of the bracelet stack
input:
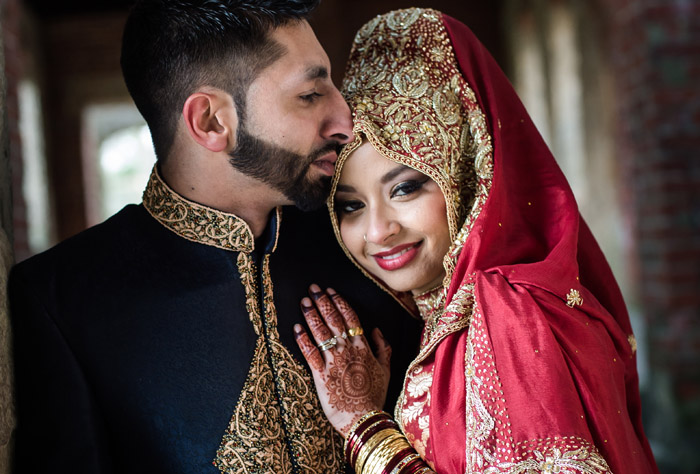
(375, 445)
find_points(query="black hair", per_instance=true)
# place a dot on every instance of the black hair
(172, 47)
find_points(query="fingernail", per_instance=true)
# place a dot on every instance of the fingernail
(306, 303)
(331, 291)
(315, 290)
(298, 330)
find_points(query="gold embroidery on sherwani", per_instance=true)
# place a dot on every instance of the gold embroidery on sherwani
(278, 413)
(194, 221)
(259, 437)
(490, 445)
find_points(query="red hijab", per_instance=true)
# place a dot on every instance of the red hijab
(531, 359)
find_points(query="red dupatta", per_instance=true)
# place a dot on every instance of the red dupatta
(550, 326)
(529, 365)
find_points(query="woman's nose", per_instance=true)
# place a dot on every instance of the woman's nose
(381, 226)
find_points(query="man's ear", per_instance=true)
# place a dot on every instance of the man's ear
(211, 119)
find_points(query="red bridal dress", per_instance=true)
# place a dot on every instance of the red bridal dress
(527, 360)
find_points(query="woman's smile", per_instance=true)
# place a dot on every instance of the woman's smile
(393, 220)
(397, 257)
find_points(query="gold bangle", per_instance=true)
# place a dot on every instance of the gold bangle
(424, 470)
(361, 420)
(379, 458)
(384, 453)
(369, 446)
(404, 462)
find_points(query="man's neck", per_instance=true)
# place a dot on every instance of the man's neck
(228, 191)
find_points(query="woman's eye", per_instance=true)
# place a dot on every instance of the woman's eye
(407, 187)
(348, 207)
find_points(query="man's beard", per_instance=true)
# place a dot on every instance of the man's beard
(284, 170)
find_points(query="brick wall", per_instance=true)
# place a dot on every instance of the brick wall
(11, 20)
(7, 419)
(655, 53)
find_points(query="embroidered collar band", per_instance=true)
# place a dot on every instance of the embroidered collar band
(196, 222)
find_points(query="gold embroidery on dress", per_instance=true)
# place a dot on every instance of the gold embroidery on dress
(633, 343)
(430, 302)
(417, 386)
(490, 445)
(278, 407)
(574, 298)
(414, 403)
(193, 221)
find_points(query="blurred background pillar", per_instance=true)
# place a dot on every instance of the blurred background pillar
(7, 419)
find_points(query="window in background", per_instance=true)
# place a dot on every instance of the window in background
(126, 159)
(118, 158)
(35, 183)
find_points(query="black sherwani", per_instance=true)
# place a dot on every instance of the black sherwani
(161, 341)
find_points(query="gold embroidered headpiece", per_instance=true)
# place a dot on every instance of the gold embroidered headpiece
(410, 101)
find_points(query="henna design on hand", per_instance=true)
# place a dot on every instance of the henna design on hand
(329, 312)
(316, 324)
(354, 381)
(349, 315)
(308, 349)
(344, 429)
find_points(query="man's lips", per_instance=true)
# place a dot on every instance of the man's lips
(398, 256)
(326, 163)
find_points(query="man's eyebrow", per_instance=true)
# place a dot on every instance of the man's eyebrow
(316, 72)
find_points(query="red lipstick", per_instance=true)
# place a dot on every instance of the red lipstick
(397, 257)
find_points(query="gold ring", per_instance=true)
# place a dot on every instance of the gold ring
(355, 331)
(328, 344)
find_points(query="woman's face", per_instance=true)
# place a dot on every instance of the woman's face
(393, 220)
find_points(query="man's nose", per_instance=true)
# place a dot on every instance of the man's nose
(338, 124)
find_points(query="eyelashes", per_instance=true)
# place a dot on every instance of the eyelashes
(398, 191)
(348, 207)
(310, 98)
(408, 187)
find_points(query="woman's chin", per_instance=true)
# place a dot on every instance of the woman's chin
(410, 286)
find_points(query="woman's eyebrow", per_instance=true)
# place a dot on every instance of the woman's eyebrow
(391, 174)
(394, 173)
(345, 188)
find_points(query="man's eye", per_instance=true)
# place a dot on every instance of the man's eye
(407, 187)
(348, 207)
(310, 97)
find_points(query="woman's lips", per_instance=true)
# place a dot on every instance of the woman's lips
(397, 257)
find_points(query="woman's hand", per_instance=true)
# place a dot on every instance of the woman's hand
(350, 381)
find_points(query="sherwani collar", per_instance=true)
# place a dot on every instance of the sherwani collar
(199, 223)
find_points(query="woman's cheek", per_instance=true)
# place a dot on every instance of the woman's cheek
(353, 242)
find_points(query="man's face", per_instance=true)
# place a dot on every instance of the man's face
(294, 121)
